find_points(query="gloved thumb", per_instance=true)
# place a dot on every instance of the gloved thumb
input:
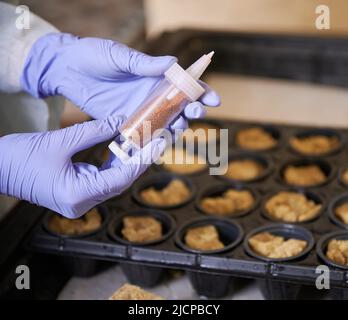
(113, 181)
(145, 65)
(85, 135)
(140, 64)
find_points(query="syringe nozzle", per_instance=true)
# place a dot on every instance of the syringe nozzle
(210, 54)
(197, 68)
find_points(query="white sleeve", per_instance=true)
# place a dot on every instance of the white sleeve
(15, 44)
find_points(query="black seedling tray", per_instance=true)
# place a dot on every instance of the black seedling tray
(309, 59)
(211, 273)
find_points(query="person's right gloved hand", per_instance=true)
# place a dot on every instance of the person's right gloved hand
(37, 167)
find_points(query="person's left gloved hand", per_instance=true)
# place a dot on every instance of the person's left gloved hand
(100, 76)
(37, 167)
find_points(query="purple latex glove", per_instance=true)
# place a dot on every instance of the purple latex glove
(37, 167)
(100, 76)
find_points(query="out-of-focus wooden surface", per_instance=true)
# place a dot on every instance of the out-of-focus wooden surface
(282, 101)
(274, 16)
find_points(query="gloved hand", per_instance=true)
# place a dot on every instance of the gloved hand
(100, 76)
(37, 167)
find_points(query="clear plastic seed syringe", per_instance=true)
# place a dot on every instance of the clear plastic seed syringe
(178, 88)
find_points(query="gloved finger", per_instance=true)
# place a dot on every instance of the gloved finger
(84, 168)
(179, 123)
(111, 161)
(113, 181)
(195, 110)
(143, 158)
(210, 98)
(85, 135)
(138, 63)
(178, 127)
